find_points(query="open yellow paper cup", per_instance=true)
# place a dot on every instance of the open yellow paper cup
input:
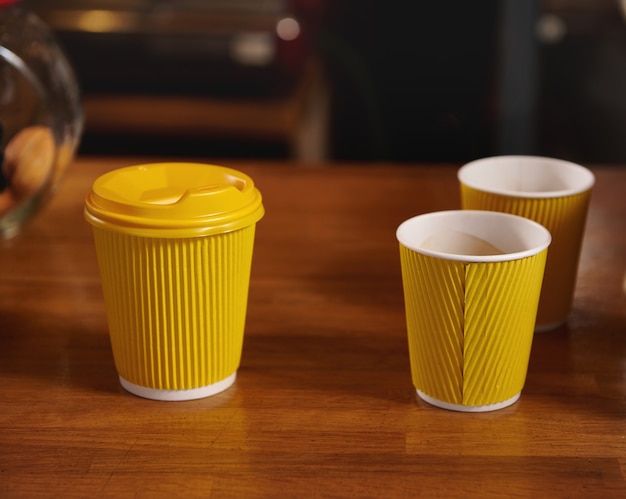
(552, 192)
(471, 283)
(174, 243)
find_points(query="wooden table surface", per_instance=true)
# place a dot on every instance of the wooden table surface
(323, 405)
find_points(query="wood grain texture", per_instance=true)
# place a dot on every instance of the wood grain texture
(323, 405)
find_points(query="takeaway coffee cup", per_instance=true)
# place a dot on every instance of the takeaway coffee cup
(174, 244)
(552, 192)
(471, 283)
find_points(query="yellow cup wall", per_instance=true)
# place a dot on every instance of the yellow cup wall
(565, 218)
(470, 325)
(176, 308)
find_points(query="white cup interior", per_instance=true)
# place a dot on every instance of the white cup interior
(528, 176)
(473, 235)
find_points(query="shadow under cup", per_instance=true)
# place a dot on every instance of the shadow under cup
(552, 192)
(471, 283)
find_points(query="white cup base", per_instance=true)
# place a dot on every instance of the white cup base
(468, 408)
(178, 395)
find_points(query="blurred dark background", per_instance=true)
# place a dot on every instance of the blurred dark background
(405, 81)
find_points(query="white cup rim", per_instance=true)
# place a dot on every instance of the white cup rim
(517, 237)
(526, 176)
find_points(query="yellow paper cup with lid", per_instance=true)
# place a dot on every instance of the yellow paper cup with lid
(174, 243)
(471, 283)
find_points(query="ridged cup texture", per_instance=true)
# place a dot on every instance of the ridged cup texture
(565, 218)
(176, 307)
(470, 325)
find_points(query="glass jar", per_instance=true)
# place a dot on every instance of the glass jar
(41, 118)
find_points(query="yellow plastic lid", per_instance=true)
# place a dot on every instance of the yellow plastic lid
(173, 200)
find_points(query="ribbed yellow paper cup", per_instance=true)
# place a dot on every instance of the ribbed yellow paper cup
(471, 286)
(552, 192)
(174, 243)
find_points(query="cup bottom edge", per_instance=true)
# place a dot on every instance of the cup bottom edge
(468, 408)
(178, 395)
